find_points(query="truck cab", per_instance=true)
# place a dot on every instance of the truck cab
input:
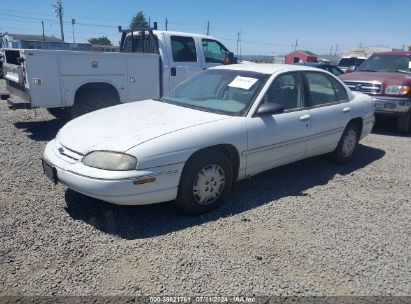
(386, 77)
(151, 64)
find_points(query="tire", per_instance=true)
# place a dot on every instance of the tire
(91, 100)
(404, 123)
(60, 113)
(196, 194)
(347, 144)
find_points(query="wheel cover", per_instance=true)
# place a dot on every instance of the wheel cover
(349, 143)
(208, 184)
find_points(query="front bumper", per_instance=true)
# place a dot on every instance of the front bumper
(392, 106)
(117, 187)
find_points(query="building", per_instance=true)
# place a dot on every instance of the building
(300, 56)
(365, 51)
(22, 41)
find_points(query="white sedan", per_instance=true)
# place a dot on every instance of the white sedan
(223, 125)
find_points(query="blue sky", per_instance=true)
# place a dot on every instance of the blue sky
(267, 27)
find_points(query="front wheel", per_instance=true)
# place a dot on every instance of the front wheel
(347, 145)
(205, 183)
(404, 123)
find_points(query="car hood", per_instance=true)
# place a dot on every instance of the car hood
(376, 76)
(122, 127)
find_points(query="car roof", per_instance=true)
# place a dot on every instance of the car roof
(175, 33)
(264, 68)
(313, 64)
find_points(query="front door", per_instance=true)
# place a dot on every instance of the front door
(274, 140)
(213, 52)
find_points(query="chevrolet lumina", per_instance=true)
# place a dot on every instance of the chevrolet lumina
(222, 125)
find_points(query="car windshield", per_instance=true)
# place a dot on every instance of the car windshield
(347, 62)
(220, 91)
(387, 63)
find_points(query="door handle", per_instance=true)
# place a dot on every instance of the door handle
(173, 71)
(305, 117)
(346, 110)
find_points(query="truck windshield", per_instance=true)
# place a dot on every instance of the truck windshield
(220, 91)
(387, 63)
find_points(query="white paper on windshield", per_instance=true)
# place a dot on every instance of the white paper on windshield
(409, 64)
(243, 82)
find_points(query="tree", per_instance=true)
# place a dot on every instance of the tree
(100, 40)
(139, 21)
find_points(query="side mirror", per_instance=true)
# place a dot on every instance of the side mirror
(229, 58)
(270, 108)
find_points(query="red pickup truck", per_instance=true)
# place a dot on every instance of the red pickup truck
(387, 78)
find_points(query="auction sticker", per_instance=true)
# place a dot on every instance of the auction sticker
(243, 82)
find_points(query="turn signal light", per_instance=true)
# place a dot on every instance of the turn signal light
(144, 181)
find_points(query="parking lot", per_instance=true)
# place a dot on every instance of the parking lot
(309, 228)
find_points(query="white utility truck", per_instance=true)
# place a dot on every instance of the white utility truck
(71, 83)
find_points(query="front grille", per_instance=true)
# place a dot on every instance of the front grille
(373, 88)
(66, 154)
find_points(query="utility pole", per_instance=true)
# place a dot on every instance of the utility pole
(58, 8)
(166, 24)
(336, 49)
(42, 26)
(403, 47)
(331, 51)
(208, 28)
(296, 44)
(73, 21)
(238, 42)
(149, 22)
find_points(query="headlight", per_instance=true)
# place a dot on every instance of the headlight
(110, 161)
(397, 90)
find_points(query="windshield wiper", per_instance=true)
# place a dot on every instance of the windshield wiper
(366, 70)
(404, 71)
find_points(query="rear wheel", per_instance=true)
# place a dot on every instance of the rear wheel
(404, 123)
(92, 100)
(205, 182)
(60, 113)
(347, 145)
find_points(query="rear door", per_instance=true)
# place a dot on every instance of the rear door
(330, 112)
(183, 57)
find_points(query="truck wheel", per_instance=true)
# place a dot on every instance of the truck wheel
(92, 100)
(205, 182)
(404, 123)
(60, 113)
(347, 145)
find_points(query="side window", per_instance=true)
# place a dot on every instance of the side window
(335, 71)
(320, 88)
(183, 49)
(340, 91)
(287, 91)
(214, 52)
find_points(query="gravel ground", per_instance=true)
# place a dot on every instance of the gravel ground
(309, 228)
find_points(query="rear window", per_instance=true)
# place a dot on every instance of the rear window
(347, 62)
(12, 56)
(138, 44)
